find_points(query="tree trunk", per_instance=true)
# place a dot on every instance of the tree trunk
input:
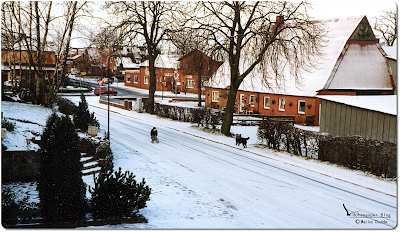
(152, 86)
(229, 111)
(199, 90)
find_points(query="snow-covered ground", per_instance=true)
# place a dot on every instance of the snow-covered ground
(202, 180)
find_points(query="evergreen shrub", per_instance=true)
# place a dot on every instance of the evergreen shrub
(117, 194)
(9, 126)
(82, 117)
(62, 191)
(66, 106)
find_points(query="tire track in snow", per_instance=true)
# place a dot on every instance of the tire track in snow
(273, 166)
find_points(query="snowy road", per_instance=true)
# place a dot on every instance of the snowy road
(200, 180)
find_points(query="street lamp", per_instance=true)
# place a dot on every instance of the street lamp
(108, 98)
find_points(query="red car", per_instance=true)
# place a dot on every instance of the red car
(104, 90)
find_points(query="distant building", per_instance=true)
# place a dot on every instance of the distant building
(131, 68)
(353, 64)
(94, 61)
(17, 64)
(174, 72)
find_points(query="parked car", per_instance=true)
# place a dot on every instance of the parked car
(104, 90)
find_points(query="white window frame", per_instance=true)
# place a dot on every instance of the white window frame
(252, 100)
(146, 80)
(128, 78)
(215, 96)
(189, 84)
(242, 101)
(268, 101)
(298, 107)
(282, 103)
(135, 79)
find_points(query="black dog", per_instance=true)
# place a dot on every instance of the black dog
(240, 140)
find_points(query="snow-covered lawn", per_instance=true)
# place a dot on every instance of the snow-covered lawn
(203, 180)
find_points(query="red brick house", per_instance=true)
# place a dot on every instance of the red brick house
(353, 64)
(166, 67)
(92, 61)
(16, 64)
(194, 64)
(174, 71)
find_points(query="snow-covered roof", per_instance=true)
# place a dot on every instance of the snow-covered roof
(391, 52)
(75, 57)
(381, 103)
(5, 67)
(339, 32)
(126, 62)
(164, 61)
(362, 67)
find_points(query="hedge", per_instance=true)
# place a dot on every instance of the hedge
(202, 116)
(375, 156)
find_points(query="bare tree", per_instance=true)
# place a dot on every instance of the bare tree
(268, 36)
(34, 23)
(194, 45)
(386, 24)
(148, 23)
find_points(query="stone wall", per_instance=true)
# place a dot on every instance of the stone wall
(20, 165)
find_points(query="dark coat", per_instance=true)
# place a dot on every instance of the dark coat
(154, 132)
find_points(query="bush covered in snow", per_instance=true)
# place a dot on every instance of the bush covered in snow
(15, 210)
(201, 116)
(117, 194)
(9, 126)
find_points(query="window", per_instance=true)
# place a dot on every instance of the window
(242, 102)
(215, 96)
(146, 80)
(136, 79)
(252, 100)
(147, 71)
(189, 84)
(266, 102)
(189, 76)
(302, 107)
(281, 104)
(128, 78)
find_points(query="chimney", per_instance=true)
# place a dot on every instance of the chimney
(279, 18)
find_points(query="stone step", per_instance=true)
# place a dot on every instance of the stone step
(88, 160)
(90, 166)
(91, 172)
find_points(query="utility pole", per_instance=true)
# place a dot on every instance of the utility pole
(108, 97)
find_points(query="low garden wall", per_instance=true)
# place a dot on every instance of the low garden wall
(20, 165)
